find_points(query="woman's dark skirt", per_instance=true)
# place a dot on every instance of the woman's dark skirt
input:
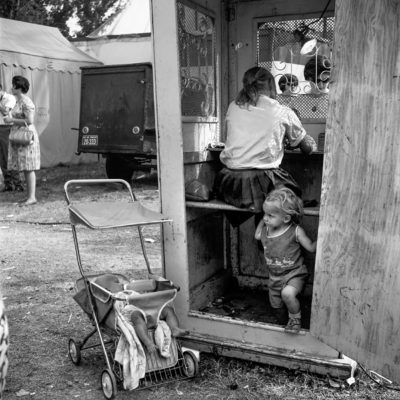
(247, 188)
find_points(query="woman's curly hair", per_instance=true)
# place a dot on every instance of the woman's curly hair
(288, 203)
(318, 69)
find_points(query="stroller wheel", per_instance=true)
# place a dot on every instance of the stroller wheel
(74, 351)
(190, 364)
(108, 384)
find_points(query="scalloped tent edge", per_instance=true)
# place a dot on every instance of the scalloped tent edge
(46, 49)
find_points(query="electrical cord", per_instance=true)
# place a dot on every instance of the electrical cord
(304, 29)
(390, 387)
(322, 14)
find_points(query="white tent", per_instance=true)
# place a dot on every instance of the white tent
(52, 66)
(125, 38)
(133, 18)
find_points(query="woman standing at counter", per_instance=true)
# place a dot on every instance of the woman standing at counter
(257, 127)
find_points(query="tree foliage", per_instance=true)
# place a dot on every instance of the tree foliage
(90, 14)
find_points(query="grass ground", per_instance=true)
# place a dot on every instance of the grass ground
(38, 272)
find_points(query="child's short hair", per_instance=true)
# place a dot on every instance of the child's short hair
(287, 79)
(288, 202)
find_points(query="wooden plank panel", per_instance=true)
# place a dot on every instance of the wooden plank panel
(356, 290)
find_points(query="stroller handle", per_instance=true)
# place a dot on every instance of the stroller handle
(96, 182)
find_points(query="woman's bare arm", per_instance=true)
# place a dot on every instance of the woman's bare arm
(308, 145)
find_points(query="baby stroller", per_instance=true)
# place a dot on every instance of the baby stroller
(127, 361)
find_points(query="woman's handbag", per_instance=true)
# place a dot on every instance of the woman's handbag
(22, 136)
(196, 191)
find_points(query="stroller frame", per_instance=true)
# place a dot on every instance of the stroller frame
(119, 215)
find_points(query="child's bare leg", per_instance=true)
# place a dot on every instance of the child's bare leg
(168, 314)
(289, 297)
(141, 330)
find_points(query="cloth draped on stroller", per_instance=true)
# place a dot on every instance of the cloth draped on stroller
(114, 306)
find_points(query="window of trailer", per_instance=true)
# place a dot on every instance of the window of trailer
(282, 49)
(197, 41)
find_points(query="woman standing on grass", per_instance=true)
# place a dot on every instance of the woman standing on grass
(24, 158)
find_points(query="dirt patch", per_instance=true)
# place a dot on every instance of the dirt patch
(38, 272)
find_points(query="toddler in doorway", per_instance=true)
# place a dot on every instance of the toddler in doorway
(282, 239)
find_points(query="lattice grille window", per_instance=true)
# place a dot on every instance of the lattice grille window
(197, 40)
(278, 50)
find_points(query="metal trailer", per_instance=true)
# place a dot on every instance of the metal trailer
(201, 49)
(116, 117)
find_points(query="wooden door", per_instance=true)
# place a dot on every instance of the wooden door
(357, 282)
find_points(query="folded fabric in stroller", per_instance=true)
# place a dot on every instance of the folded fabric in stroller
(134, 319)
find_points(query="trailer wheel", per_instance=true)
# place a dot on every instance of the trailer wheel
(190, 364)
(74, 351)
(108, 384)
(117, 167)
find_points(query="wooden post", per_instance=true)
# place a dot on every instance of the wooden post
(356, 289)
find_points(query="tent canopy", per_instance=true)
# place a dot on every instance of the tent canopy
(39, 47)
(125, 38)
(52, 66)
(133, 18)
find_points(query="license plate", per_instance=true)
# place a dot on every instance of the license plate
(90, 140)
